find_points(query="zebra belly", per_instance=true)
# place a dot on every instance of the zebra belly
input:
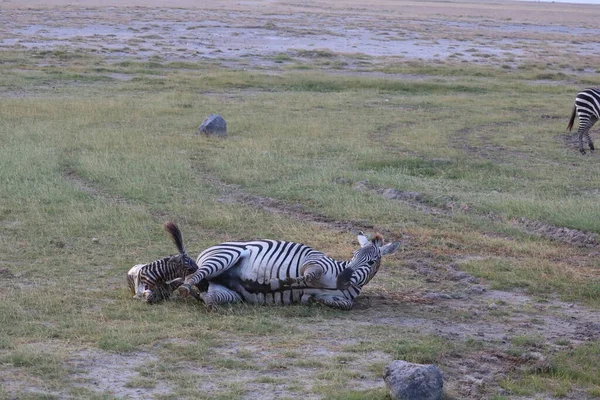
(285, 296)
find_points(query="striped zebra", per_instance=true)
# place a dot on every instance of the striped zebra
(157, 280)
(587, 108)
(280, 272)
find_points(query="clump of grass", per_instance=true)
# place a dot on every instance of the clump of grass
(316, 53)
(48, 367)
(282, 57)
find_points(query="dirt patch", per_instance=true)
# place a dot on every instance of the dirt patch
(245, 36)
(572, 236)
(411, 199)
(495, 318)
(109, 373)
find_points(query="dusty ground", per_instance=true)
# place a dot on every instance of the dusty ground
(249, 34)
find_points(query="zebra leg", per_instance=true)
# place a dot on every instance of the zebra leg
(310, 273)
(209, 267)
(587, 133)
(218, 294)
(334, 301)
(194, 291)
(581, 149)
(584, 130)
(589, 140)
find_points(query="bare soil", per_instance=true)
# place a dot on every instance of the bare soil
(249, 33)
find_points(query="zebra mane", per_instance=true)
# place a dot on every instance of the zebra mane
(173, 231)
(377, 239)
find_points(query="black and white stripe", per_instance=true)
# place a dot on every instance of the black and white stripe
(281, 272)
(587, 109)
(157, 280)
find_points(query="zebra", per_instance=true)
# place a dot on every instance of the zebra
(587, 108)
(156, 281)
(280, 273)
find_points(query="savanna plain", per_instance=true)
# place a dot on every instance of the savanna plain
(439, 124)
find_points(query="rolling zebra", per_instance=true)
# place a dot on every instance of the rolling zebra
(587, 108)
(157, 280)
(279, 272)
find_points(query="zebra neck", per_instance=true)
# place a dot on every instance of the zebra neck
(354, 290)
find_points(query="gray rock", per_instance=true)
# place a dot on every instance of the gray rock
(215, 125)
(408, 381)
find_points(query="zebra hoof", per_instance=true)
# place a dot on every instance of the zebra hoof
(182, 291)
(582, 151)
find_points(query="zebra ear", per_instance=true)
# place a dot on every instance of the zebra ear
(390, 248)
(362, 239)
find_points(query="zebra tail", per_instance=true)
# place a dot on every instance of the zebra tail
(173, 231)
(572, 120)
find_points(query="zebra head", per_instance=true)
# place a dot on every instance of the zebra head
(182, 262)
(366, 261)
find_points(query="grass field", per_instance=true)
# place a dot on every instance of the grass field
(467, 163)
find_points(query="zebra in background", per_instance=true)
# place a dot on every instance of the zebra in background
(279, 272)
(587, 108)
(157, 280)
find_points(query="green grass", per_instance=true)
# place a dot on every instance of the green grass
(90, 169)
(566, 369)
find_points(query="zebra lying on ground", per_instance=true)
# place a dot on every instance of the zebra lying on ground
(156, 281)
(587, 108)
(279, 272)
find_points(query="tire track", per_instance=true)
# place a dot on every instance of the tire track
(232, 193)
(71, 175)
(573, 237)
